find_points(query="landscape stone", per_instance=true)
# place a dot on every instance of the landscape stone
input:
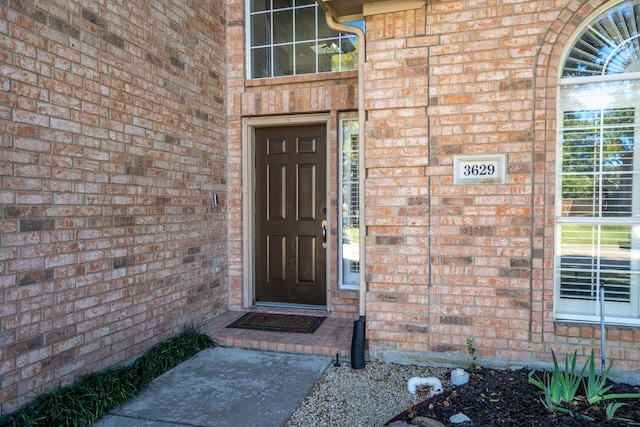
(426, 422)
(459, 418)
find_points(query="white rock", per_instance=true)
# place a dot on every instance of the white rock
(459, 418)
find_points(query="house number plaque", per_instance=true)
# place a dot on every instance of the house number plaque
(480, 169)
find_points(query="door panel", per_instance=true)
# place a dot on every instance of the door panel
(277, 190)
(306, 185)
(290, 212)
(276, 254)
(306, 260)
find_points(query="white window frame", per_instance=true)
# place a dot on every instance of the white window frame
(332, 46)
(349, 250)
(588, 310)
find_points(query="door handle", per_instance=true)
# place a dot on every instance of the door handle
(324, 233)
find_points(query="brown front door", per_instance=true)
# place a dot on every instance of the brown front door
(291, 215)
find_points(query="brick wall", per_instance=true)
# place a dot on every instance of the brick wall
(113, 145)
(334, 94)
(447, 262)
(120, 124)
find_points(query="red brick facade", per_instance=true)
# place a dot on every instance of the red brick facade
(114, 133)
(120, 122)
(451, 262)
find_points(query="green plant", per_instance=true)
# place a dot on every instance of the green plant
(93, 395)
(471, 349)
(560, 386)
(595, 385)
(611, 409)
(568, 381)
(551, 392)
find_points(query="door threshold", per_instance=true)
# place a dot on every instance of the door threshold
(278, 305)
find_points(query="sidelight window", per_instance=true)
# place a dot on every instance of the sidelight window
(349, 190)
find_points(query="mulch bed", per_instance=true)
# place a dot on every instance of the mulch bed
(506, 399)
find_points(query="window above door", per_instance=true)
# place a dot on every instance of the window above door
(291, 37)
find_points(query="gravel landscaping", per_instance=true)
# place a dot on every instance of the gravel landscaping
(364, 397)
(372, 396)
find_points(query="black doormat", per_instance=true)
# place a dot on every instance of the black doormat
(278, 322)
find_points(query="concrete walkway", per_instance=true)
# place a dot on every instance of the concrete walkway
(224, 387)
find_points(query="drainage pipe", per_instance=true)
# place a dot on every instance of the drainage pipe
(350, 29)
(433, 382)
(358, 337)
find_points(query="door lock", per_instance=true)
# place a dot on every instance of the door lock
(324, 233)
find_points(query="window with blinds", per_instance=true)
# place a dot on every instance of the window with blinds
(592, 255)
(608, 45)
(597, 238)
(349, 238)
(597, 162)
(598, 214)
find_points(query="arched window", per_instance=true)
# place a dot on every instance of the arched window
(598, 170)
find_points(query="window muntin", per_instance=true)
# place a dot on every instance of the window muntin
(349, 195)
(598, 222)
(292, 37)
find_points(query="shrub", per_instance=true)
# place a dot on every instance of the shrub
(93, 395)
